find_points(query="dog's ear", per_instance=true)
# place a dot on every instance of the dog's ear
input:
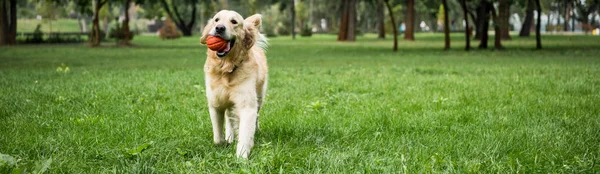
(251, 27)
(254, 21)
(249, 37)
(206, 30)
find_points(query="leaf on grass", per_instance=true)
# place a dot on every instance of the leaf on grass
(139, 149)
(7, 160)
(43, 166)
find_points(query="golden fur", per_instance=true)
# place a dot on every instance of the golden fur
(236, 83)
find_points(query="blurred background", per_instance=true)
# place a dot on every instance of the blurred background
(68, 21)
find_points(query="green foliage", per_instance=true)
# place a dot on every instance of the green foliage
(169, 30)
(331, 108)
(306, 31)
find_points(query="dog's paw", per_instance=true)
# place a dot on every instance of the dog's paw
(221, 143)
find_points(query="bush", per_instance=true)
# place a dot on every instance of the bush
(38, 35)
(284, 31)
(306, 31)
(169, 30)
(118, 33)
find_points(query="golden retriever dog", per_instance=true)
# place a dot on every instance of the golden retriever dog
(236, 78)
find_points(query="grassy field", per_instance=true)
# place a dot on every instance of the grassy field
(332, 107)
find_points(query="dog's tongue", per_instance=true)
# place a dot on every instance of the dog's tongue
(226, 48)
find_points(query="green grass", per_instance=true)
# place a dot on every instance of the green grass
(332, 107)
(60, 25)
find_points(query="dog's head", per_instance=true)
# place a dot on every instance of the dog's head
(240, 34)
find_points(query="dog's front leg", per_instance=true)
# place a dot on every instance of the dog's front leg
(217, 116)
(247, 127)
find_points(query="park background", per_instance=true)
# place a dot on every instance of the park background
(130, 99)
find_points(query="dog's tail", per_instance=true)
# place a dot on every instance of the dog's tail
(262, 41)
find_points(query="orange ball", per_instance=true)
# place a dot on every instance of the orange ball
(216, 43)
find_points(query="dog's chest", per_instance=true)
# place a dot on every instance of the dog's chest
(219, 92)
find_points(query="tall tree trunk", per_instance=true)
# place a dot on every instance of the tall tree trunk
(380, 19)
(95, 34)
(12, 28)
(351, 21)
(186, 29)
(497, 30)
(8, 22)
(387, 4)
(503, 19)
(343, 21)
(483, 23)
(538, 37)
(526, 28)
(567, 14)
(348, 23)
(409, 32)
(446, 26)
(3, 23)
(126, 31)
(463, 4)
(293, 11)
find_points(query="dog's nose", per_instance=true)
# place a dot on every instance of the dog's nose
(220, 28)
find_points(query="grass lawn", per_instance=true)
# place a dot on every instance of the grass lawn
(332, 107)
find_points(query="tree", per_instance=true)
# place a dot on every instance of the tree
(568, 11)
(348, 21)
(387, 4)
(503, 18)
(538, 38)
(127, 35)
(584, 9)
(526, 27)
(466, 16)
(380, 18)
(497, 28)
(172, 9)
(8, 22)
(409, 32)
(293, 11)
(483, 22)
(94, 39)
(446, 26)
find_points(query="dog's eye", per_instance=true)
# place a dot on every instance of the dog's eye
(217, 20)
(233, 21)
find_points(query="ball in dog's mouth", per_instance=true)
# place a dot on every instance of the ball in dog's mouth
(223, 53)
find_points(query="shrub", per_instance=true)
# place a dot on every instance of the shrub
(38, 36)
(169, 30)
(284, 31)
(306, 31)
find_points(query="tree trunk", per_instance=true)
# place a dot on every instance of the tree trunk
(343, 21)
(497, 30)
(186, 29)
(387, 4)
(293, 11)
(567, 15)
(483, 23)
(126, 31)
(95, 34)
(538, 38)
(503, 19)
(446, 26)
(12, 28)
(3, 23)
(8, 22)
(409, 32)
(380, 19)
(526, 28)
(467, 35)
(347, 25)
(351, 21)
